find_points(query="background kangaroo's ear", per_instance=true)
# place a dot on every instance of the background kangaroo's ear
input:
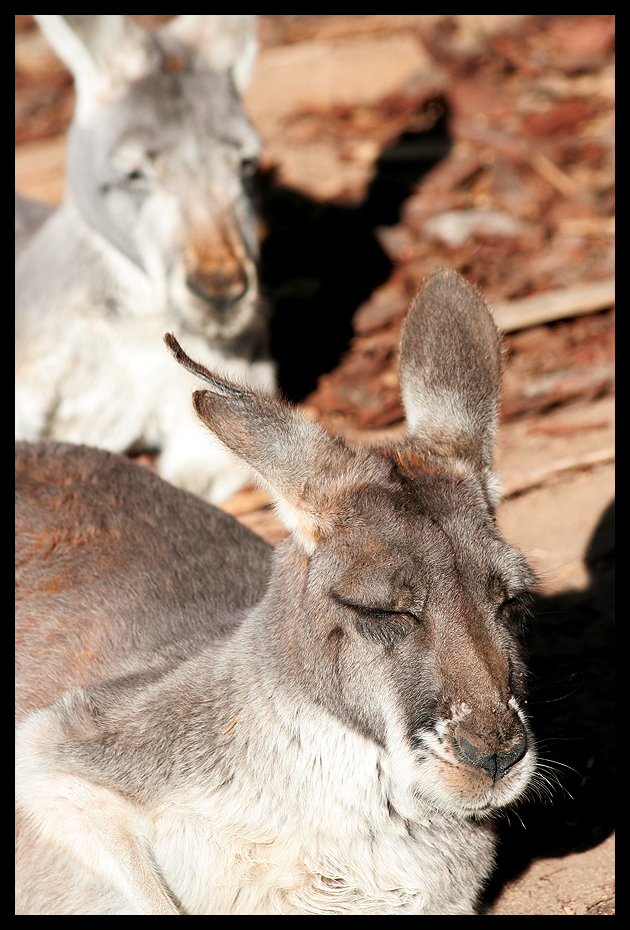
(450, 371)
(104, 52)
(220, 42)
(297, 461)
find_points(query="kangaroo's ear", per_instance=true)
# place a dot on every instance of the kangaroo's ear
(297, 461)
(104, 52)
(450, 372)
(219, 41)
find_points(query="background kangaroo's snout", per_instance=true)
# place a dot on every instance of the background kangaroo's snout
(215, 272)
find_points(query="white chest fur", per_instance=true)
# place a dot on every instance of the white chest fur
(317, 835)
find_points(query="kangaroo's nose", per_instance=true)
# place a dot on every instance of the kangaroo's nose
(494, 762)
(222, 290)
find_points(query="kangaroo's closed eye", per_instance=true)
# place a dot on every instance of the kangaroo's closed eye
(136, 175)
(382, 615)
(516, 608)
(379, 624)
(249, 167)
(388, 632)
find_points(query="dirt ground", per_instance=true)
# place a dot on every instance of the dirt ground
(394, 144)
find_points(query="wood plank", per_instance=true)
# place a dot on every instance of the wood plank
(560, 304)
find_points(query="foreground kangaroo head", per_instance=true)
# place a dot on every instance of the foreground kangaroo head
(332, 740)
(405, 605)
(161, 155)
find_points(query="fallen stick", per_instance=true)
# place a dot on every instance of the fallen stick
(527, 482)
(560, 304)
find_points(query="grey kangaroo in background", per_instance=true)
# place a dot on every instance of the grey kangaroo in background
(157, 231)
(208, 726)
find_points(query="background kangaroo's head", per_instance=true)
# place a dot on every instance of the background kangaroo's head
(161, 156)
(396, 604)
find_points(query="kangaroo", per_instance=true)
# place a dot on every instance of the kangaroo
(207, 726)
(157, 230)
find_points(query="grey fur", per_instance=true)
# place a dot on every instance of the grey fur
(157, 231)
(208, 728)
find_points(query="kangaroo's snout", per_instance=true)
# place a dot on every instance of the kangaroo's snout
(484, 753)
(217, 273)
(222, 289)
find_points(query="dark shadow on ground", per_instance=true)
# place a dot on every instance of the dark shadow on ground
(320, 261)
(572, 654)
